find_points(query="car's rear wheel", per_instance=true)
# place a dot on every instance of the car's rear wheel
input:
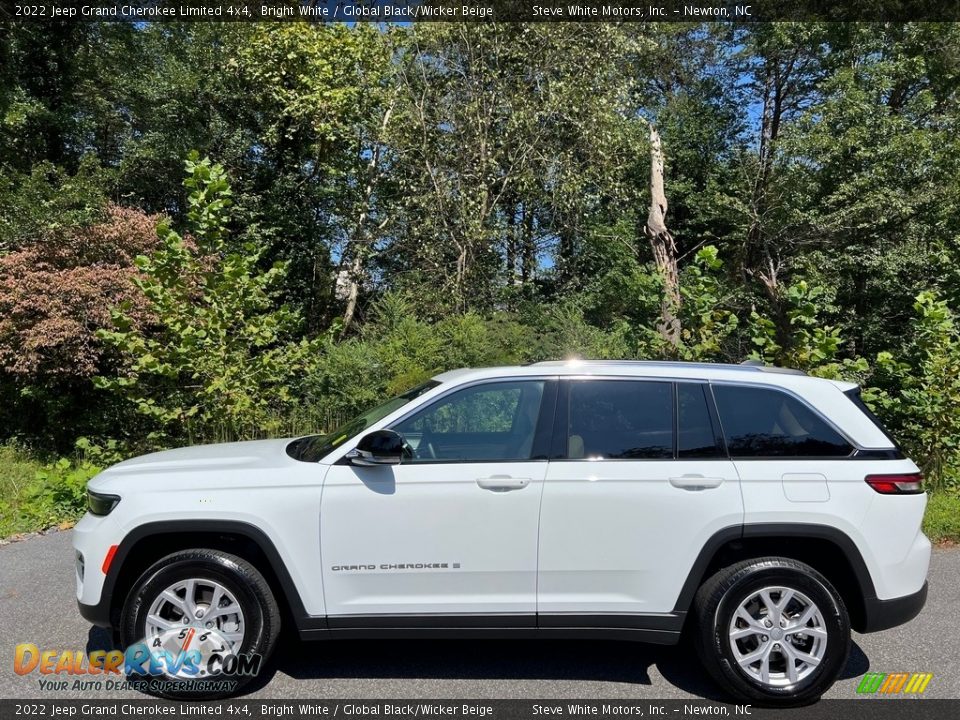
(198, 613)
(772, 630)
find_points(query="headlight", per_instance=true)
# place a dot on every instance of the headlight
(100, 504)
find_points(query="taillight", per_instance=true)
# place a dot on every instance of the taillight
(899, 484)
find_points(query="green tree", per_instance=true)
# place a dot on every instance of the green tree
(872, 176)
(219, 362)
(924, 392)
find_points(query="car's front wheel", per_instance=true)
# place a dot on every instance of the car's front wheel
(197, 621)
(772, 630)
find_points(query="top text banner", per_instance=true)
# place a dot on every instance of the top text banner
(406, 11)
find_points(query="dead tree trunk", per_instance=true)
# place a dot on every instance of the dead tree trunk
(663, 247)
(361, 245)
(352, 278)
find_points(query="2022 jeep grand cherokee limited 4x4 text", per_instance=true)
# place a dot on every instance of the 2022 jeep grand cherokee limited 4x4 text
(764, 510)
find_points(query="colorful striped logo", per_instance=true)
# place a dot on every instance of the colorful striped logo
(894, 683)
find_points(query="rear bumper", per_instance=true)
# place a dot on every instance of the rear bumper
(884, 614)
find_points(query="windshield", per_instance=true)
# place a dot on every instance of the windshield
(314, 447)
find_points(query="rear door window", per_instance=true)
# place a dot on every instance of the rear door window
(765, 422)
(620, 420)
(696, 435)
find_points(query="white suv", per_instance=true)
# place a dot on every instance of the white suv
(763, 511)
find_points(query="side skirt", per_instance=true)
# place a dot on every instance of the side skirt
(659, 629)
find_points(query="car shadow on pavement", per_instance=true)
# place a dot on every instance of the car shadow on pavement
(591, 661)
(857, 664)
(462, 660)
(559, 660)
(99, 639)
(682, 669)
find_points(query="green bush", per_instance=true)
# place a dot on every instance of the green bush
(16, 476)
(923, 392)
(398, 350)
(219, 362)
(36, 495)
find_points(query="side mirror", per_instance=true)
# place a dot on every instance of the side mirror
(381, 447)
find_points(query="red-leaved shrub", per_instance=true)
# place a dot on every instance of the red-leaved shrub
(57, 292)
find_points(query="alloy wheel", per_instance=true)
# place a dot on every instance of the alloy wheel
(197, 603)
(778, 636)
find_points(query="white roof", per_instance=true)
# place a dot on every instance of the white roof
(749, 373)
(641, 368)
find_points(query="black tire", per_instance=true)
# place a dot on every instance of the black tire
(720, 597)
(260, 611)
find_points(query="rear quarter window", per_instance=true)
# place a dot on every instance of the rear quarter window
(765, 422)
(856, 399)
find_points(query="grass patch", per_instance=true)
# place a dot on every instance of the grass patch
(17, 473)
(36, 495)
(942, 520)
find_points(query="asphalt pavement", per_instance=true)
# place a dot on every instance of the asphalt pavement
(37, 605)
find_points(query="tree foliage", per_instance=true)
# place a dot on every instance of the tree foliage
(406, 199)
(57, 292)
(217, 359)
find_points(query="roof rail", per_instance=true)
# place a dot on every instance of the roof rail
(746, 366)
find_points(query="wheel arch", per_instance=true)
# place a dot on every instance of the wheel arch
(147, 543)
(826, 549)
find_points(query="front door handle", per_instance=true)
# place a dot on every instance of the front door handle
(696, 482)
(502, 483)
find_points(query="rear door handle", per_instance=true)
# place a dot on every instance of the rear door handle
(696, 482)
(502, 483)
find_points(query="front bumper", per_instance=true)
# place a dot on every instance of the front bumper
(93, 537)
(98, 614)
(885, 614)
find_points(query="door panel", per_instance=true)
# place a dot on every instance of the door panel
(454, 529)
(618, 537)
(622, 521)
(477, 546)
